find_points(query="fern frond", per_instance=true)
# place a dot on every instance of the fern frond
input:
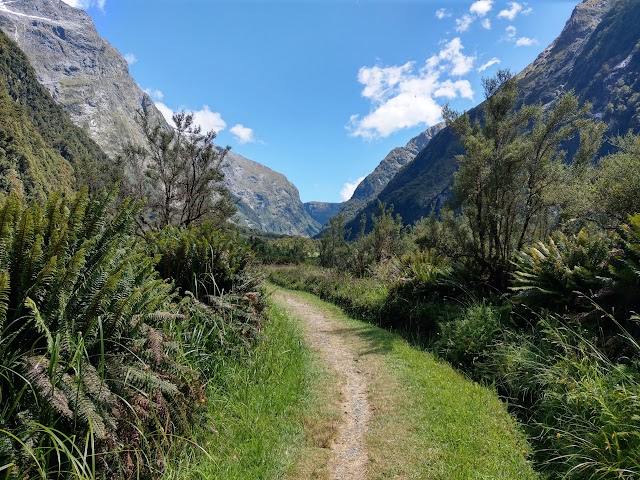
(39, 323)
(37, 375)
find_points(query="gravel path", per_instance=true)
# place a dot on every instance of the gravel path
(327, 336)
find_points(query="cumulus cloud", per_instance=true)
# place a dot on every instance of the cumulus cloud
(514, 10)
(405, 96)
(130, 58)
(490, 63)
(348, 188)
(526, 42)
(486, 24)
(511, 32)
(243, 134)
(204, 117)
(85, 4)
(481, 7)
(463, 23)
(442, 13)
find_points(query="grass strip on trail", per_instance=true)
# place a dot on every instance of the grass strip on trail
(429, 421)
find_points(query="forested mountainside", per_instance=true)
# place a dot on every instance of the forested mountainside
(597, 55)
(41, 149)
(375, 182)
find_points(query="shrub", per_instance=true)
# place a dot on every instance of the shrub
(203, 260)
(466, 339)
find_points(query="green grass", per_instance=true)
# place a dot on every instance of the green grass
(257, 409)
(431, 422)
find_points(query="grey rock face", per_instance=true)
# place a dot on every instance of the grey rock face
(266, 199)
(84, 74)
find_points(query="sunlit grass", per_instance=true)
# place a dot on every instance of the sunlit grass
(431, 422)
(256, 407)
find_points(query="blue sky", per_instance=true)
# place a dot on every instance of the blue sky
(318, 90)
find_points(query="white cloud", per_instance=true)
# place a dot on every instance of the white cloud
(166, 112)
(486, 24)
(85, 4)
(405, 96)
(348, 188)
(460, 63)
(156, 95)
(207, 119)
(442, 13)
(463, 23)
(526, 42)
(511, 32)
(514, 10)
(490, 63)
(481, 7)
(130, 58)
(378, 81)
(243, 134)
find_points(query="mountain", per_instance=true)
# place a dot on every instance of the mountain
(321, 212)
(90, 80)
(597, 55)
(375, 182)
(41, 149)
(266, 199)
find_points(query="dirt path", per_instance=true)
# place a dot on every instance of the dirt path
(349, 456)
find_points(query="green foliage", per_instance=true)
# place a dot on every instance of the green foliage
(178, 172)
(616, 188)
(82, 353)
(581, 406)
(561, 272)
(203, 259)
(40, 147)
(466, 340)
(334, 249)
(513, 158)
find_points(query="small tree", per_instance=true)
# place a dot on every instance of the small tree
(179, 171)
(334, 249)
(513, 162)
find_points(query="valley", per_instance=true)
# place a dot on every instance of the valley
(464, 305)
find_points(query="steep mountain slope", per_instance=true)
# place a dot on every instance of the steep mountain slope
(377, 180)
(40, 147)
(321, 212)
(83, 73)
(91, 81)
(266, 199)
(597, 55)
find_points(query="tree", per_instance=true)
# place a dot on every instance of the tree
(513, 162)
(179, 172)
(334, 249)
(616, 188)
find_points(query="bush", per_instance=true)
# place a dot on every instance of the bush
(203, 260)
(580, 405)
(466, 340)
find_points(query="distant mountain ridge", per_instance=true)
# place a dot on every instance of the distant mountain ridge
(321, 212)
(597, 55)
(90, 80)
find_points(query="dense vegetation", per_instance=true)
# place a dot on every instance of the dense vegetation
(531, 284)
(41, 150)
